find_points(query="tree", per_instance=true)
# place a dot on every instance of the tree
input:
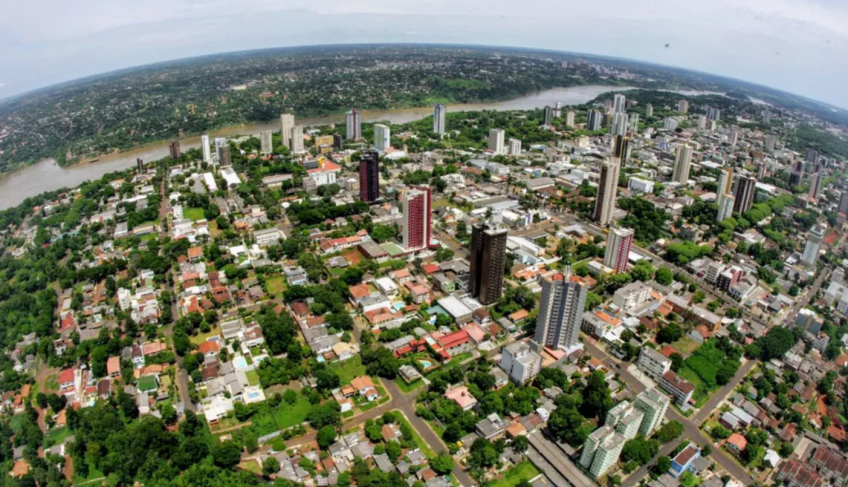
(662, 465)
(776, 343)
(664, 276)
(326, 437)
(520, 444)
(640, 450)
(270, 466)
(676, 361)
(597, 400)
(669, 333)
(669, 431)
(226, 454)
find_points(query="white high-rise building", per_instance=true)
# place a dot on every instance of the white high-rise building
(770, 142)
(733, 139)
(619, 124)
(439, 114)
(813, 245)
(702, 122)
(618, 103)
(670, 123)
(382, 137)
(633, 122)
(569, 118)
(601, 451)
(286, 126)
(265, 144)
(654, 405)
(725, 181)
(682, 106)
(514, 147)
(297, 139)
(353, 125)
(560, 312)
(496, 141)
(713, 113)
(649, 110)
(725, 207)
(618, 249)
(520, 362)
(593, 120)
(207, 150)
(625, 418)
(682, 164)
(607, 189)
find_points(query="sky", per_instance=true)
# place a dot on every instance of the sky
(800, 46)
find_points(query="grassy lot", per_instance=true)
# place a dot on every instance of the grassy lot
(287, 415)
(702, 392)
(251, 466)
(348, 370)
(56, 437)
(407, 388)
(202, 337)
(523, 471)
(193, 214)
(252, 377)
(51, 383)
(276, 285)
(93, 473)
(264, 423)
(686, 345)
(428, 452)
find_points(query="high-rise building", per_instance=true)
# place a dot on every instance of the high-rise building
(725, 181)
(843, 202)
(549, 116)
(139, 162)
(746, 189)
(813, 245)
(626, 418)
(382, 137)
(353, 125)
(207, 150)
(618, 249)
(633, 122)
(713, 113)
(601, 451)
(649, 110)
(811, 156)
(670, 123)
(496, 141)
(225, 159)
(724, 194)
(219, 144)
(369, 177)
(174, 150)
(265, 142)
(488, 258)
(286, 126)
(682, 106)
(607, 188)
(725, 207)
(619, 124)
(766, 116)
(416, 223)
(520, 362)
(682, 164)
(815, 184)
(439, 117)
(654, 405)
(569, 118)
(733, 138)
(558, 110)
(560, 312)
(514, 147)
(702, 122)
(618, 102)
(593, 120)
(621, 147)
(297, 139)
(770, 142)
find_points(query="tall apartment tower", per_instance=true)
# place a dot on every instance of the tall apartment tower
(618, 249)
(843, 203)
(225, 159)
(607, 188)
(633, 122)
(558, 109)
(549, 116)
(439, 112)
(593, 120)
(220, 143)
(619, 124)
(496, 141)
(265, 142)
(682, 164)
(416, 223)
(514, 147)
(654, 405)
(713, 113)
(815, 184)
(369, 177)
(297, 139)
(813, 245)
(770, 142)
(382, 137)
(618, 103)
(353, 125)
(174, 150)
(649, 110)
(139, 163)
(488, 258)
(601, 451)
(207, 150)
(811, 155)
(682, 106)
(746, 188)
(766, 116)
(621, 147)
(560, 312)
(569, 118)
(733, 139)
(626, 419)
(725, 194)
(286, 126)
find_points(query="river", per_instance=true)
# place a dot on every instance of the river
(47, 175)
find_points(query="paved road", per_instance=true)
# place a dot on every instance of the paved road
(691, 429)
(642, 472)
(712, 403)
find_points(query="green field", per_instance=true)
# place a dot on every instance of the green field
(686, 345)
(287, 415)
(407, 388)
(56, 437)
(252, 377)
(202, 337)
(523, 471)
(275, 285)
(194, 214)
(702, 392)
(348, 369)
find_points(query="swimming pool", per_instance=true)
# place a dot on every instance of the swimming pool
(254, 395)
(240, 362)
(426, 364)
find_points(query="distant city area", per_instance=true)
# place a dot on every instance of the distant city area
(646, 289)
